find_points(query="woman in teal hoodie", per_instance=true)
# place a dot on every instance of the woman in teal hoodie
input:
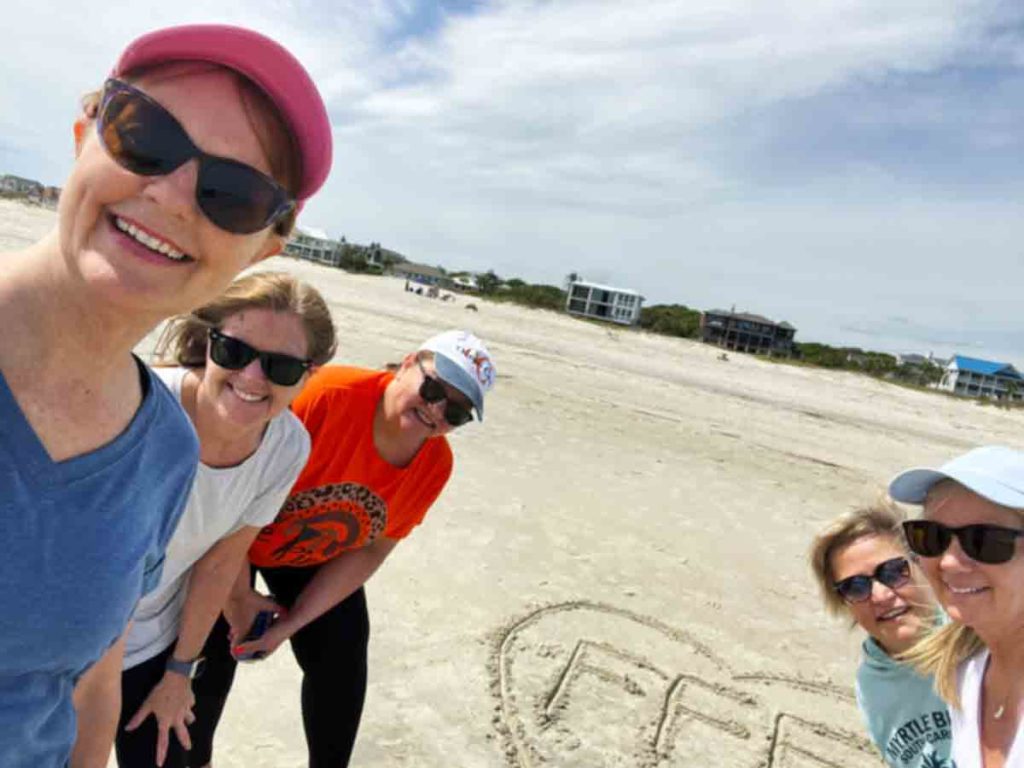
(866, 575)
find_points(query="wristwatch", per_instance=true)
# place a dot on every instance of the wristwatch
(189, 669)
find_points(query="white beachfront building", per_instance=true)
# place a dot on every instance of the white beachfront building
(603, 302)
(971, 377)
(313, 245)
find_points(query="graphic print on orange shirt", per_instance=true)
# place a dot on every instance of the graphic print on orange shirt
(319, 523)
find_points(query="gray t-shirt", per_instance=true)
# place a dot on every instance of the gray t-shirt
(222, 501)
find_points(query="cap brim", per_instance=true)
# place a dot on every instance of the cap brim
(912, 486)
(457, 376)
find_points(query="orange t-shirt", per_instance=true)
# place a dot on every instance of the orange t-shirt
(347, 495)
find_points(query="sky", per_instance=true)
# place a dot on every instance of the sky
(855, 167)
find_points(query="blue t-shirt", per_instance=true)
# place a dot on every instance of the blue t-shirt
(907, 720)
(83, 540)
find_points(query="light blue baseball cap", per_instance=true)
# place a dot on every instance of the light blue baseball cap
(994, 472)
(462, 361)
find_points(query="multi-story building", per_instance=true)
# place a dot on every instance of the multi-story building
(16, 185)
(603, 302)
(745, 332)
(971, 377)
(314, 245)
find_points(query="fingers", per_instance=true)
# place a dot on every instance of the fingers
(139, 717)
(161, 744)
(182, 733)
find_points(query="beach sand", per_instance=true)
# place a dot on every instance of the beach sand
(616, 574)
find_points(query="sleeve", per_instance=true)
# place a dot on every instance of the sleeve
(284, 464)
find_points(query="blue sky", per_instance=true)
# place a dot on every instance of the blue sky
(852, 166)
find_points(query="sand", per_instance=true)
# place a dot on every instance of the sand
(616, 573)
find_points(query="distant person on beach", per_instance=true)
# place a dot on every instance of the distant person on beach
(239, 362)
(96, 455)
(379, 460)
(968, 541)
(864, 574)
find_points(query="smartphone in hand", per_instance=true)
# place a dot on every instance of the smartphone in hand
(264, 620)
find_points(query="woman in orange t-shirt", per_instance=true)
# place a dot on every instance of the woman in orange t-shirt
(379, 460)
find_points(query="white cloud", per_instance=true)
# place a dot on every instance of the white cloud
(609, 137)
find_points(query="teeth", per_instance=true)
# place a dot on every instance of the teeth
(249, 397)
(893, 614)
(965, 590)
(154, 244)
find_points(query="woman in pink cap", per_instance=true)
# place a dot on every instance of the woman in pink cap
(191, 163)
(378, 462)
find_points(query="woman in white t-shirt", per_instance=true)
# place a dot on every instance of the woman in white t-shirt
(240, 361)
(967, 542)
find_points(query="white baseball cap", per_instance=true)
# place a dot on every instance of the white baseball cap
(463, 361)
(994, 472)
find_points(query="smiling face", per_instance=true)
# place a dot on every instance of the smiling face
(416, 416)
(116, 228)
(893, 616)
(989, 598)
(246, 399)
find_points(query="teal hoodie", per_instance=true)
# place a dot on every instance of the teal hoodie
(907, 720)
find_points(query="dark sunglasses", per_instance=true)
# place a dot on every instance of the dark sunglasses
(433, 391)
(992, 544)
(892, 573)
(144, 138)
(234, 354)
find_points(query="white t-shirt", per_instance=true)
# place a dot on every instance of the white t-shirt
(966, 719)
(222, 502)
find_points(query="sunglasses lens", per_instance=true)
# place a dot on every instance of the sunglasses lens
(140, 135)
(457, 416)
(988, 543)
(926, 538)
(230, 353)
(894, 573)
(237, 198)
(432, 391)
(283, 370)
(855, 589)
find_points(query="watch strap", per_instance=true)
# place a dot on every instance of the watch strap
(189, 669)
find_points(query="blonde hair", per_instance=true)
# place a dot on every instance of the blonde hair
(267, 123)
(183, 341)
(940, 653)
(879, 519)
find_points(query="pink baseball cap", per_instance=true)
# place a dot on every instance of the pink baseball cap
(267, 64)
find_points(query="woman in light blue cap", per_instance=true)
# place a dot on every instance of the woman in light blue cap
(967, 544)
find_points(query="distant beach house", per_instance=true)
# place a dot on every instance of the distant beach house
(313, 245)
(603, 302)
(17, 186)
(420, 273)
(916, 359)
(746, 332)
(971, 377)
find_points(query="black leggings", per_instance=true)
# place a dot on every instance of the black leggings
(332, 654)
(137, 749)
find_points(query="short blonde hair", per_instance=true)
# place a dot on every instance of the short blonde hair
(183, 342)
(879, 519)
